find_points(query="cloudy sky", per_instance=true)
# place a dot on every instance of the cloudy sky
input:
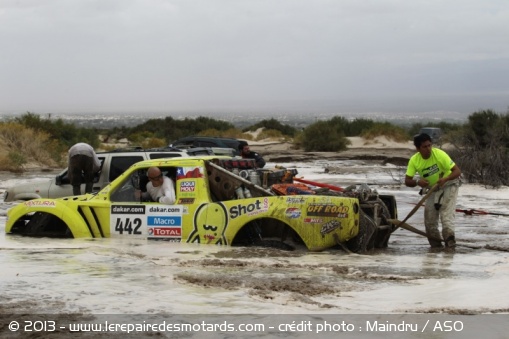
(254, 55)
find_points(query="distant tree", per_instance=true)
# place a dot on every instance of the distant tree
(351, 128)
(484, 127)
(65, 133)
(358, 126)
(170, 129)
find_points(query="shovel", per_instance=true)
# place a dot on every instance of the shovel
(407, 227)
(412, 212)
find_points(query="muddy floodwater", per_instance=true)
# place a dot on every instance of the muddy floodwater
(116, 276)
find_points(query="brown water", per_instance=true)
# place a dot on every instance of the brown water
(116, 276)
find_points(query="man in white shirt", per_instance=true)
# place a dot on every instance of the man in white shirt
(82, 161)
(160, 188)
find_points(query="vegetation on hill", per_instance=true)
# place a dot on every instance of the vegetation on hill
(65, 134)
(20, 144)
(480, 146)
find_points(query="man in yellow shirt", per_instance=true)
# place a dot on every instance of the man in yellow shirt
(435, 167)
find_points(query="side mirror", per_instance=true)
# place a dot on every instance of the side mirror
(58, 180)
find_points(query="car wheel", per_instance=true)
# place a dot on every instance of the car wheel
(364, 241)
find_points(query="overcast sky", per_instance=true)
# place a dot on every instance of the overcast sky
(254, 55)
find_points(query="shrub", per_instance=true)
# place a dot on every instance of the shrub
(16, 161)
(322, 136)
(25, 145)
(481, 148)
(65, 133)
(357, 127)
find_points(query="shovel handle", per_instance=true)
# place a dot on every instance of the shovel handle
(419, 204)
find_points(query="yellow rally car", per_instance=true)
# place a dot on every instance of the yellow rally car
(222, 201)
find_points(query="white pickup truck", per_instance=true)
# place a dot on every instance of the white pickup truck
(113, 163)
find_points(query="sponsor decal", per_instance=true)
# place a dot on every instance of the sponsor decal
(152, 221)
(39, 203)
(249, 209)
(164, 220)
(172, 209)
(313, 220)
(330, 226)
(293, 213)
(327, 210)
(128, 209)
(186, 201)
(296, 200)
(164, 231)
(210, 222)
(187, 186)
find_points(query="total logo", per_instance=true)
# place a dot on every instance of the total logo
(165, 231)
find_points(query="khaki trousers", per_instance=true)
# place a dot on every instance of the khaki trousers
(445, 200)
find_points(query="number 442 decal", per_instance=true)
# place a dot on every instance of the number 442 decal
(128, 226)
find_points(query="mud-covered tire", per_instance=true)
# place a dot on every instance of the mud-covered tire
(274, 244)
(381, 239)
(364, 241)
